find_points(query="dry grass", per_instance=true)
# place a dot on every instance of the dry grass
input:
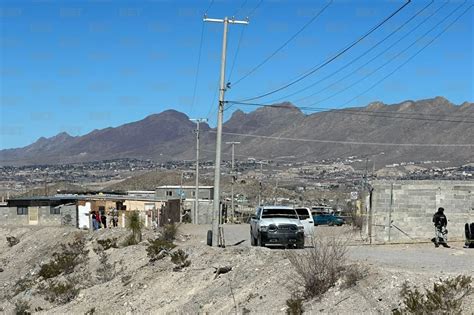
(319, 268)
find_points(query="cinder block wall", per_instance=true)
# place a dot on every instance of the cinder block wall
(68, 216)
(413, 205)
(9, 216)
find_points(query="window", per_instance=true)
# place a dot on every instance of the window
(55, 210)
(169, 193)
(22, 210)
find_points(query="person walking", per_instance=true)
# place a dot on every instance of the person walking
(441, 233)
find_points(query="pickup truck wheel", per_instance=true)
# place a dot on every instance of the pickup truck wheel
(300, 245)
(259, 241)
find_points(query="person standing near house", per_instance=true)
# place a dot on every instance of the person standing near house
(103, 219)
(115, 217)
(441, 233)
(94, 221)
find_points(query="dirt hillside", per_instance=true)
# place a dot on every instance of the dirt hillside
(260, 280)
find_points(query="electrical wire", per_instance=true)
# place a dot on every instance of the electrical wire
(381, 114)
(316, 68)
(381, 66)
(251, 71)
(335, 110)
(408, 60)
(361, 55)
(193, 100)
(197, 67)
(347, 142)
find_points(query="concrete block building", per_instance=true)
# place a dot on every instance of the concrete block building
(402, 211)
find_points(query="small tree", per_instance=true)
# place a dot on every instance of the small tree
(135, 225)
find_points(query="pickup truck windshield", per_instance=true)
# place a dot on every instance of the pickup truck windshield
(279, 213)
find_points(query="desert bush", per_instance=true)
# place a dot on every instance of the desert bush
(24, 283)
(357, 221)
(295, 305)
(71, 255)
(129, 240)
(108, 243)
(445, 298)
(158, 249)
(352, 274)
(12, 241)
(135, 225)
(169, 232)
(180, 259)
(106, 270)
(22, 307)
(319, 267)
(60, 292)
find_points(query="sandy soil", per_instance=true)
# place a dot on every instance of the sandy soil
(259, 281)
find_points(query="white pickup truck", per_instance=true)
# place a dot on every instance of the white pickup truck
(276, 225)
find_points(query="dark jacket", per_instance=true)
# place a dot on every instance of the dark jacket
(439, 219)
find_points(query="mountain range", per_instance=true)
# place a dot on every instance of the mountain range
(282, 131)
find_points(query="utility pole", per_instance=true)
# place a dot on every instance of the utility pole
(220, 112)
(260, 184)
(196, 202)
(232, 213)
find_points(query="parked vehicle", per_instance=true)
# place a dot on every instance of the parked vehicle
(304, 214)
(276, 225)
(322, 218)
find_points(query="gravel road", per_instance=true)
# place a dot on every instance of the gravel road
(414, 257)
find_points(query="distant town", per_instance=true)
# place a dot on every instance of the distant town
(325, 174)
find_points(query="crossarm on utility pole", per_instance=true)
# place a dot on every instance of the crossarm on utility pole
(217, 164)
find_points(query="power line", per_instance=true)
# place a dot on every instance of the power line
(314, 69)
(336, 110)
(381, 66)
(384, 114)
(255, 8)
(347, 142)
(199, 56)
(197, 67)
(363, 54)
(240, 8)
(408, 60)
(236, 53)
(284, 44)
(209, 7)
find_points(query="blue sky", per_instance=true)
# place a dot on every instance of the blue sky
(76, 66)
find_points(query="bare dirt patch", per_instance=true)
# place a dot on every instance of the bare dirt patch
(259, 280)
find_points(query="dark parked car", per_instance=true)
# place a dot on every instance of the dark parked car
(322, 218)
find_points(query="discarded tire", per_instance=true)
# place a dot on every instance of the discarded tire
(209, 237)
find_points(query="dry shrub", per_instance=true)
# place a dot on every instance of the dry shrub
(169, 232)
(106, 270)
(180, 259)
(12, 241)
(71, 255)
(295, 305)
(22, 307)
(158, 249)
(108, 243)
(445, 298)
(352, 274)
(60, 291)
(318, 268)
